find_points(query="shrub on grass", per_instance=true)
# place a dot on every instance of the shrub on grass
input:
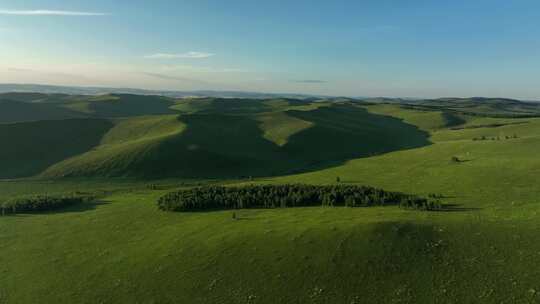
(277, 196)
(40, 203)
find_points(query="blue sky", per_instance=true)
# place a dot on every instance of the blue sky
(413, 48)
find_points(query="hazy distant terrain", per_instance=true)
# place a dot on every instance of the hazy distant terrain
(70, 90)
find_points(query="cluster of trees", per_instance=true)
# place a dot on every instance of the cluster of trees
(41, 203)
(280, 196)
(420, 203)
(495, 138)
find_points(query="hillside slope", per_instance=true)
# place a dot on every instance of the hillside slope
(217, 145)
(29, 148)
(17, 111)
(21, 107)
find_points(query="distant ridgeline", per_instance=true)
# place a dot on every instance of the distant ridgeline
(284, 196)
(479, 106)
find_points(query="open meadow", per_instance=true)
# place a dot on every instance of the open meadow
(482, 247)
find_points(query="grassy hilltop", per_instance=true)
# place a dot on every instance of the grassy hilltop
(483, 249)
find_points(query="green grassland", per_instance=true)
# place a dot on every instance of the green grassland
(228, 146)
(17, 111)
(122, 249)
(276, 139)
(22, 107)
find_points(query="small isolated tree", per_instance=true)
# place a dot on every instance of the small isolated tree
(456, 159)
(338, 179)
(234, 216)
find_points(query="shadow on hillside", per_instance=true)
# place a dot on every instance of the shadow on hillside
(127, 105)
(17, 111)
(229, 105)
(223, 146)
(230, 146)
(236, 105)
(344, 132)
(211, 146)
(35, 146)
(452, 120)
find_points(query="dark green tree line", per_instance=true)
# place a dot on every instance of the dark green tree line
(40, 203)
(284, 196)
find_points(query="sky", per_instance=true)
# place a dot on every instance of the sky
(413, 48)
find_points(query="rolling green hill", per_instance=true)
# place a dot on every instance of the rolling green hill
(214, 145)
(20, 107)
(243, 106)
(18, 111)
(123, 105)
(29, 148)
(34, 97)
(212, 138)
(122, 249)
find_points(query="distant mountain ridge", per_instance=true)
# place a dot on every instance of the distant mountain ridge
(81, 90)
(69, 90)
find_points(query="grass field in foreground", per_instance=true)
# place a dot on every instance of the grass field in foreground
(122, 249)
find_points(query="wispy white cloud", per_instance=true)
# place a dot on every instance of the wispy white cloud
(49, 13)
(173, 77)
(188, 55)
(201, 69)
